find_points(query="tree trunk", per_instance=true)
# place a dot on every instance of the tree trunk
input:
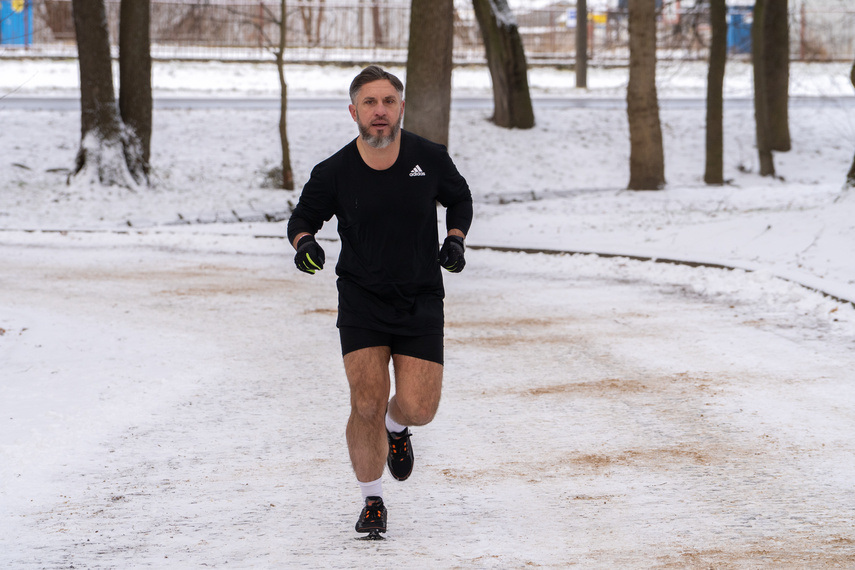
(428, 110)
(97, 100)
(287, 170)
(761, 98)
(135, 102)
(377, 25)
(306, 15)
(776, 65)
(647, 157)
(319, 21)
(850, 178)
(714, 173)
(506, 59)
(103, 141)
(581, 44)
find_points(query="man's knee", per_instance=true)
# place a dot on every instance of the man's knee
(368, 375)
(418, 412)
(370, 408)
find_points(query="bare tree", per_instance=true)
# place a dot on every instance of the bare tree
(281, 176)
(135, 100)
(647, 157)
(714, 173)
(512, 106)
(429, 65)
(761, 98)
(776, 67)
(287, 170)
(581, 43)
(106, 155)
(312, 21)
(377, 25)
(285, 178)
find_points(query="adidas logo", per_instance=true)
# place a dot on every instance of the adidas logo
(417, 171)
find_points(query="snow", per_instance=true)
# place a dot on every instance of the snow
(172, 394)
(503, 14)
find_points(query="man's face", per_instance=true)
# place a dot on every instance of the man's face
(378, 112)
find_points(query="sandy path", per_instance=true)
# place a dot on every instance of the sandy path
(591, 416)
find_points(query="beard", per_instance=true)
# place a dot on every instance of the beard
(380, 141)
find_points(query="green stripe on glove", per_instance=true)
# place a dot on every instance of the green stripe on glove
(310, 256)
(451, 254)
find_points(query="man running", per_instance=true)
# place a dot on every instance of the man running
(383, 188)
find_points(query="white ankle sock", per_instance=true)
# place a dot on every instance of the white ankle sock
(371, 488)
(392, 425)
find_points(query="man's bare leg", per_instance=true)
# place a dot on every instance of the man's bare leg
(367, 373)
(418, 386)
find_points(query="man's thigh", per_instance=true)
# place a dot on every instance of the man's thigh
(417, 362)
(367, 371)
(418, 382)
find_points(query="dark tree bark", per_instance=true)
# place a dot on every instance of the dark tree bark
(581, 43)
(776, 62)
(428, 96)
(647, 157)
(105, 150)
(135, 101)
(512, 106)
(287, 170)
(850, 178)
(761, 97)
(714, 172)
(97, 100)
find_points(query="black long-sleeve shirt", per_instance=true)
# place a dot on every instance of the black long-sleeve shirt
(388, 275)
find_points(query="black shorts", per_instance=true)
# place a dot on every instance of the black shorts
(427, 347)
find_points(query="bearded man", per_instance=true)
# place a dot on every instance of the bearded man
(383, 188)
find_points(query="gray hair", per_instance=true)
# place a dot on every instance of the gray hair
(373, 73)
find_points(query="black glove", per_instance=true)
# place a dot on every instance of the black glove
(451, 254)
(310, 256)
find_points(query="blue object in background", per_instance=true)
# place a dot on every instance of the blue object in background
(16, 22)
(739, 20)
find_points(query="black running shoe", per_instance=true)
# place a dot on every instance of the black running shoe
(373, 516)
(400, 458)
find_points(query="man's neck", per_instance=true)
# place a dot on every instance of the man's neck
(379, 158)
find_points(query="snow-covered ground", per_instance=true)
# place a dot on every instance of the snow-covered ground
(171, 394)
(570, 170)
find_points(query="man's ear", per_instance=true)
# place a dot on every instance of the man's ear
(352, 109)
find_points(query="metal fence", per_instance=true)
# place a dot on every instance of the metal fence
(377, 30)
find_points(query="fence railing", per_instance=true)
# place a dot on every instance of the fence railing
(377, 30)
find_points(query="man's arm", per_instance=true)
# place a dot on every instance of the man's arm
(316, 205)
(454, 194)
